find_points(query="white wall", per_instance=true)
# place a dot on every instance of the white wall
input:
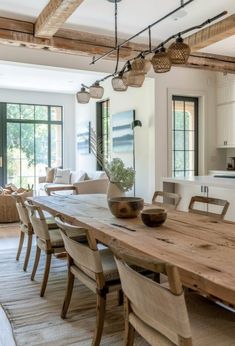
(187, 82)
(142, 100)
(65, 100)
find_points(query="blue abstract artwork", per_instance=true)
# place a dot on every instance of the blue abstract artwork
(122, 132)
(83, 138)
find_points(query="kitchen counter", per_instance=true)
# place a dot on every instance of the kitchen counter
(203, 180)
(207, 186)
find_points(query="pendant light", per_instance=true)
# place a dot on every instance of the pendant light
(118, 83)
(179, 51)
(96, 91)
(133, 79)
(161, 61)
(141, 65)
(83, 96)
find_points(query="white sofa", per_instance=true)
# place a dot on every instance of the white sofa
(82, 183)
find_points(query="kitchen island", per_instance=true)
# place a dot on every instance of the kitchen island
(208, 186)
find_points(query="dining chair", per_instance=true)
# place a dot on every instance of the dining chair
(223, 204)
(26, 227)
(92, 266)
(49, 241)
(169, 200)
(162, 315)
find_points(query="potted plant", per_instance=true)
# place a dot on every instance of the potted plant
(121, 178)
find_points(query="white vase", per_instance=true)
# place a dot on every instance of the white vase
(114, 191)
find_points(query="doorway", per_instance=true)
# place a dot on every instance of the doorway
(31, 140)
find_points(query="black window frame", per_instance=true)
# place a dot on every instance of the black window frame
(195, 101)
(3, 131)
(100, 116)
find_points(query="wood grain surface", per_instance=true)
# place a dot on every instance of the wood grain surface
(202, 248)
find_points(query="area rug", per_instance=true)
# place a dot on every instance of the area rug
(36, 321)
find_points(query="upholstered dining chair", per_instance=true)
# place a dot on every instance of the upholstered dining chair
(206, 201)
(169, 200)
(49, 241)
(94, 267)
(26, 227)
(162, 315)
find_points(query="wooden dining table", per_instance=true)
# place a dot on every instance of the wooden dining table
(202, 248)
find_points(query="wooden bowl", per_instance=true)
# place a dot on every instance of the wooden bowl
(125, 207)
(153, 217)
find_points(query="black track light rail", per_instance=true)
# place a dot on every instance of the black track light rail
(145, 53)
(117, 47)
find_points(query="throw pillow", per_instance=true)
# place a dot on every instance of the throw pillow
(1, 190)
(98, 175)
(11, 187)
(62, 176)
(77, 176)
(82, 177)
(50, 174)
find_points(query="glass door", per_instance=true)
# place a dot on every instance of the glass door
(31, 141)
(2, 140)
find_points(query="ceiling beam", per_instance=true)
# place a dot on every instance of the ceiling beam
(21, 34)
(54, 15)
(211, 62)
(212, 34)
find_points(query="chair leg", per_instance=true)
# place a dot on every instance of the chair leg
(100, 313)
(21, 241)
(29, 245)
(36, 261)
(46, 274)
(129, 330)
(120, 297)
(68, 294)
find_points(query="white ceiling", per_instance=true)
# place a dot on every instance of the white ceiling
(39, 78)
(97, 15)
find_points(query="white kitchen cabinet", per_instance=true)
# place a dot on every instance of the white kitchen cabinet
(226, 125)
(187, 190)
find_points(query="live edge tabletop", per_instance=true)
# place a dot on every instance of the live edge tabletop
(203, 249)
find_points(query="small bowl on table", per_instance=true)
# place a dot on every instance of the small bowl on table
(126, 207)
(154, 217)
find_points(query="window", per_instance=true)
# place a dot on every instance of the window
(103, 128)
(184, 136)
(33, 141)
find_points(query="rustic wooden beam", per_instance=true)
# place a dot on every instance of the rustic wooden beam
(212, 34)
(21, 33)
(54, 15)
(211, 62)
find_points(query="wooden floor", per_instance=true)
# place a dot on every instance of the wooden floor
(9, 234)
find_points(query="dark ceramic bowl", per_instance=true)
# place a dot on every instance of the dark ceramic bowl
(125, 207)
(153, 217)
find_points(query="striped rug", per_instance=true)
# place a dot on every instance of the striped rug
(36, 321)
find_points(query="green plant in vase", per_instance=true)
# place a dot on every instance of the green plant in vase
(123, 177)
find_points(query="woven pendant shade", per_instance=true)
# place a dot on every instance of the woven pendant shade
(134, 79)
(118, 83)
(141, 65)
(96, 91)
(83, 96)
(179, 51)
(161, 61)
